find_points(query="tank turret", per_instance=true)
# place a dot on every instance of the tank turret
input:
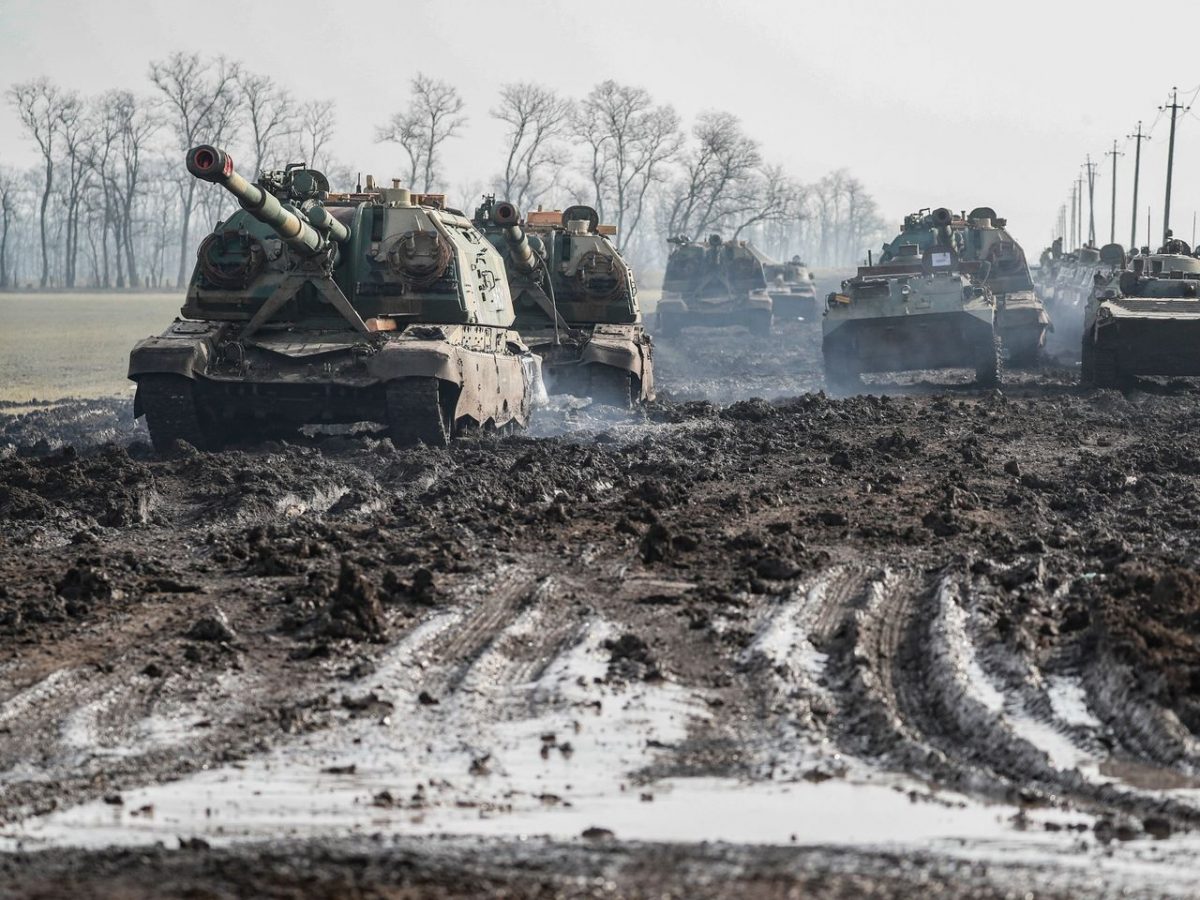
(575, 300)
(309, 306)
(309, 235)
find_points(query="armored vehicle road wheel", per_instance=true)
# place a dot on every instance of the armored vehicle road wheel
(611, 386)
(417, 413)
(759, 322)
(169, 403)
(987, 367)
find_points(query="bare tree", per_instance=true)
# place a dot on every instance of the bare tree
(434, 116)
(536, 116)
(77, 136)
(203, 103)
(39, 106)
(9, 201)
(271, 114)
(775, 198)
(630, 142)
(317, 123)
(718, 177)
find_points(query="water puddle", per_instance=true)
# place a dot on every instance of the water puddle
(553, 755)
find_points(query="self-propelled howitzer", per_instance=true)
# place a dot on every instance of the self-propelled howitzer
(308, 306)
(575, 299)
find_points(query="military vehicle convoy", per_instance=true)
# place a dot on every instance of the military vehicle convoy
(307, 306)
(1143, 316)
(790, 286)
(1066, 284)
(714, 284)
(980, 238)
(575, 300)
(918, 309)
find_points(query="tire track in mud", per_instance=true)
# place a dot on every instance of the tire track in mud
(914, 697)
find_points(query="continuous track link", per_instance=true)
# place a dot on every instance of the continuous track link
(416, 412)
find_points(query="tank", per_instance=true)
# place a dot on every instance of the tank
(310, 307)
(1142, 316)
(918, 310)
(790, 286)
(980, 237)
(714, 284)
(576, 301)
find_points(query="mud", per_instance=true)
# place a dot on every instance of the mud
(930, 638)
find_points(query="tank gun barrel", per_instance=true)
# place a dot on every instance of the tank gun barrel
(523, 257)
(307, 234)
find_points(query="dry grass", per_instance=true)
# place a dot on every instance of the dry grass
(74, 345)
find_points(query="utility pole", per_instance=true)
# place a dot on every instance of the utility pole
(1174, 107)
(1137, 167)
(1091, 179)
(1071, 233)
(1079, 212)
(1114, 153)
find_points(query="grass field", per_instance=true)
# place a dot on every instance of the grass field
(74, 345)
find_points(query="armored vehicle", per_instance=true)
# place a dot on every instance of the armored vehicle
(1143, 316)
(575, 299)
(980, 237)
(918, 310)
(714, 284)
(307, 306)
(790, 286)
(1073, 284)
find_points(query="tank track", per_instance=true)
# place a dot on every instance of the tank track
(415, 414)
(987, 369)
(169, 404)
(611, 386)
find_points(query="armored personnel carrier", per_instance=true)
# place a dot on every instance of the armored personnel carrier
(980, 237)
(1143, 316)
(307, 306)
(790, 286)
(714, 284)
(917, 310)
(1073, 285)
(575, 299)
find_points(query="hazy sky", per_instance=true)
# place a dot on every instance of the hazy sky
(957, 104)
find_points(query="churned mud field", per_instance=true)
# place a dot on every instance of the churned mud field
(752, 641)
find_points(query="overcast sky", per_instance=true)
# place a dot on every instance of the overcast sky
(958, 104)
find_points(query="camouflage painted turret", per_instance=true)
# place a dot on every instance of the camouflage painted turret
(979, 238)
(307, 307)
(714, 284)
(575, 299)
(1143, 315)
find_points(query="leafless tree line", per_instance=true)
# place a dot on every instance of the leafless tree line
(108, 205)
(630, 157)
